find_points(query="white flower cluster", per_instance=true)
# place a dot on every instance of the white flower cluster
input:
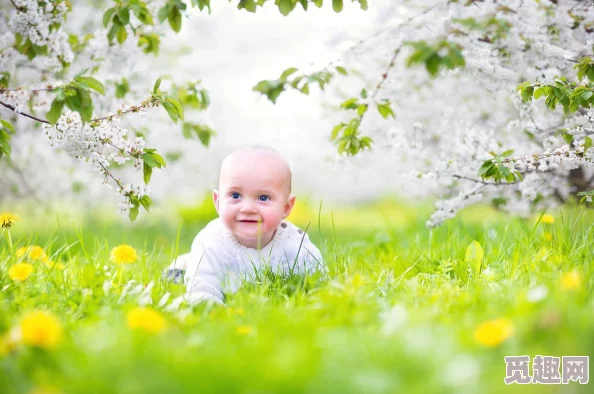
(477, 110)
(36, 22)
(448, 209)
(102, 142)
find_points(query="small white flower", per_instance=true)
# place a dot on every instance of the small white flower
(537, 293)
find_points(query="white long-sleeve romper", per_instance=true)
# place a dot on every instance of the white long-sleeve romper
(217, 262)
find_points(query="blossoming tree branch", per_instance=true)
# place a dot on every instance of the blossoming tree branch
(499, 110)
(483, 133)
(81, 113)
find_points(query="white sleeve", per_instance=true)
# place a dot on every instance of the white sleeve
(307, 257)
(204, 274)
(311, 256)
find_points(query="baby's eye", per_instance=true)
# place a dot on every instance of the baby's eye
(234, 196)
(263, 198)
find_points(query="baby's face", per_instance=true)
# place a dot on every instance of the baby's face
(253, 196)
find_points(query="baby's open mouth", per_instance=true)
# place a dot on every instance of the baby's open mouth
(248, 221)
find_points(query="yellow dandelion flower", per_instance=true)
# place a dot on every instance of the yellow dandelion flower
(20, 271)
(3, 347)
(493, 332)
(33, 252)
(571, 280)
(244, 330)
(41, 329)
(358, 280)
(7, 219)
(232, 311)
(146, 319)
(239, 311)
(547, 219)
(123, 254)
(45, 390)
(53, 265)
(548, 236)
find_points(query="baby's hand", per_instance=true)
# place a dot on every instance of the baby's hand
(175, 275)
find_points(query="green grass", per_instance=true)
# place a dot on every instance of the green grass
(397, 314)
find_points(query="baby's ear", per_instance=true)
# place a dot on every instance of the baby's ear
(289, 206)
(215, 199)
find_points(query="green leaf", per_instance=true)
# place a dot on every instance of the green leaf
(147, 172)
(121, 35)
(272, 89)
(171, 111)
(305, 89)
(248, 5)
(285, 7)
(160, 160)
(474, 256)
(432, 64)
(342, 70)
(361, 109)
(133, 214)
(507, 153)
(91, 83)
(527, 94)
(178, 107)
(5, 148)
(287, 73)
(485, 168)
(113, 31)
(336, 130)
(337, 5)
(156, 86)
(107, 16)
(148, 159)
(124, 15)
(385, 110)
(122, 88)
(7, 125)
(55, 111)
(350, 103)
(146, 202)
(175, 19)
(205, 98)
(567, 137)
(86, 104)
(163, 12)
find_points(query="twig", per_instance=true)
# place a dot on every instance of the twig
(117, 181)
(109, 117)
(32, 90)
(16, 6)
(483, 182)
(10, 107)
(384, 30)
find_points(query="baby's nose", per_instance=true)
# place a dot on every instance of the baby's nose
(248, 207)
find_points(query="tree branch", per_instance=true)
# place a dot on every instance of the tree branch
(10, 107)
(483, 182)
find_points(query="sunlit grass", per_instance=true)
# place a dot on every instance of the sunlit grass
(402, 310)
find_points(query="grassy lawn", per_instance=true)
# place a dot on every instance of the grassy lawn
(405, 309)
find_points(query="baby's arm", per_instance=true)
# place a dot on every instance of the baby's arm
(203, 276)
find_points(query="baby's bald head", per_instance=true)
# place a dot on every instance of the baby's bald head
(257, 159)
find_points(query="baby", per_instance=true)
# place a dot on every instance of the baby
(253, 199)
